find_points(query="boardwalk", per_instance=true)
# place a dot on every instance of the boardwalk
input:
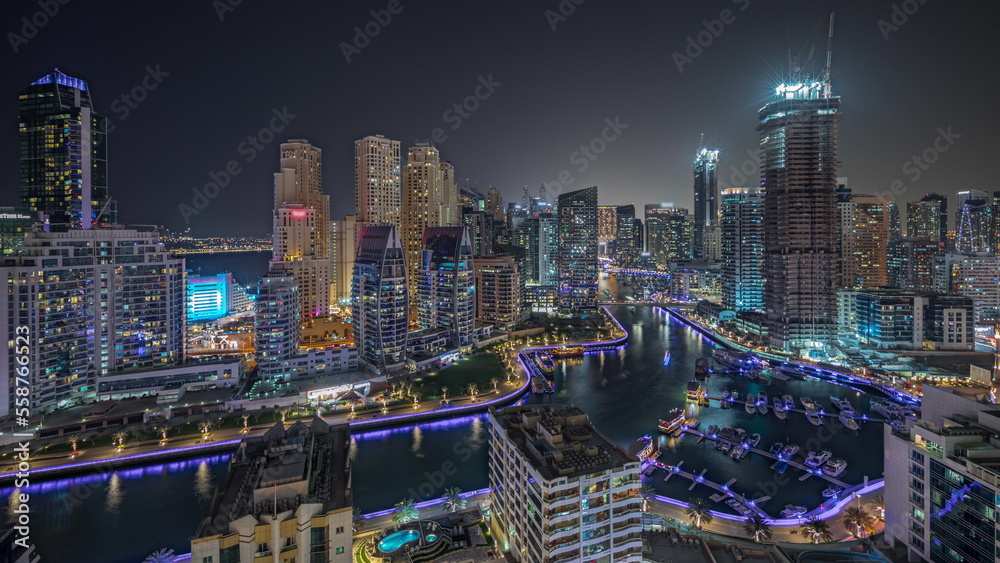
(701, 480)
(740, 402)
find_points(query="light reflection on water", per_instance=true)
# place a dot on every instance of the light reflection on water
(115, 495)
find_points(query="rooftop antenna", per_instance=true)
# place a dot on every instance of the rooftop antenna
(827, 89)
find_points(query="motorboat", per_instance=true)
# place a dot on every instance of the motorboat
(835, 467)
(832, 492)
(789, 402)
(808, 403)
(791, 511)
(737, 452)
(725, 393)
(750, 407)
(813, 418)
(762, 402)
(779, 409)
(691, 423)
(754, 440)
(725, 446)
(776, 448)
(848, 421)
(789, 451)
(781, 467)
(843, 405)
(817, 459)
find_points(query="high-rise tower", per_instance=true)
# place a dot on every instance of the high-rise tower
(63, 153)
(578, 252)
(377, 187)
(446, 287)
(742, 226)
(429, 195)
(379, 299)
(706, 190)
(798, 140)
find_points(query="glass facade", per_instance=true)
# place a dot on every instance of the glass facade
(963, 517)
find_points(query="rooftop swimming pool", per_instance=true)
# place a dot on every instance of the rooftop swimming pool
(395, 541)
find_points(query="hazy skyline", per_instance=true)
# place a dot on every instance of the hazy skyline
(215, 74)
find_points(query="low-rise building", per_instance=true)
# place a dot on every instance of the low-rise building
(561, 491)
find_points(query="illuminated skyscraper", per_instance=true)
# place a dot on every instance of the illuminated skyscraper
(742, 225)
(798, 136)
(277, 323)
(446, 289)
(607, 227)
(63, 153)
(864, 245)
(377, 185)
(302, 225)
(668, 234)
(942, 222)
(923, 220)
(539, 237)
(379, 299)
(578, 252)
(429, 193)
(706, 193)
(628, 236)
(975, 223)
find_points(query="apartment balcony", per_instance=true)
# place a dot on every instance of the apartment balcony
(559, 497)
(561, 534)
(564, 548)
(561, 519)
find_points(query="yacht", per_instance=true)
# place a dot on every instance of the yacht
(779, 409)
(813, 418)
(751, 409)
(691, 423)
(832, 492)
(789, 402)
(791, 511)
(737, 452)
(808, 403)
(776, 448)
(843, 405)
(790, 451)
(818, 459)
(835, 467)
(762, 403)
(673, 425)
(725, 394)
(848, 421)
(754, 440)
(725, 446)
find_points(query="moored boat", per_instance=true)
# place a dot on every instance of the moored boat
(754, 440)
(791, 511)
(779, 410)
(814, 418)
(832, 491)
(817, 459)
(673, 425)
(776, 448)
(567, 351)
(789, 402)
(808, 403)
(544, 362)
(848, 421)
(835, 467)
(750, 407)
(781, 467)
(790, 451)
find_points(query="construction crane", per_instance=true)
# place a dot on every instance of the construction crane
(827, 89)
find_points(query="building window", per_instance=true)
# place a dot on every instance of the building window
(340, 529)
(340, 550)
(206, 559)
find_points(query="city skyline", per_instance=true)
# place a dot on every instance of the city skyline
(647, 162)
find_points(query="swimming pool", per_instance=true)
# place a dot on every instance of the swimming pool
(430, 538)
(395, 541)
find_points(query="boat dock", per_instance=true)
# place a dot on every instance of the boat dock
(858, 418)
(808, 471)
(723, 489)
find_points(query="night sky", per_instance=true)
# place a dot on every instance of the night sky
(225, 78)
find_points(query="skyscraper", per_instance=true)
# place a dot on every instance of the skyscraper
(302, 225)
(345, 233)
(975, 223)
(277, 323)
(668, 234)
(706, 189)
(578, 252)
(380, 299)
(942, 202)
(607, 226)
(446, 288)
(427, 200)
(539, 237)
(63, 153)
(98, 303)
(628, 237)
(377, 187)
(500, 289)
(742, 225)
(798, 136)
(864, 245)
(923, 220)
(916, 264)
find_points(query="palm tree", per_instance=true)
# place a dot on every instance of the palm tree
(495, 381)
(205, 427)
(246, 420)
(161, 556)
(284, 414)
(646, 492)
(859, 521)
(416, 400)
(878, 506)
(453, 502)
(406, 511)
(73, 441)
(119, 438)
(816, 530)
(757, 529)
(473, 389)
(384, 399)
(698, 512)
(162, 431)
(357, 520)
(444, 393)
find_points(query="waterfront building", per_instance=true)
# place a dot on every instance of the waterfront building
(377, 185)
(97, 302)
(63, 165)
(277, 325)
(742, 228)
(864, 244)
(561, 491)
(446, 288)
(380, 299)
(302, 225)
(346, 233)
(942, 478)
(628, 236)
(978, 277)
(896, 319)
(286, 493)
(607, 227)
(668, 234)
(500, 288)
(694, 281)
(975, 223)
(706, 190)
(208, 297)
(539, 237)
(541, 298)
(427, 200)
(798, 135)
(578, 252)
